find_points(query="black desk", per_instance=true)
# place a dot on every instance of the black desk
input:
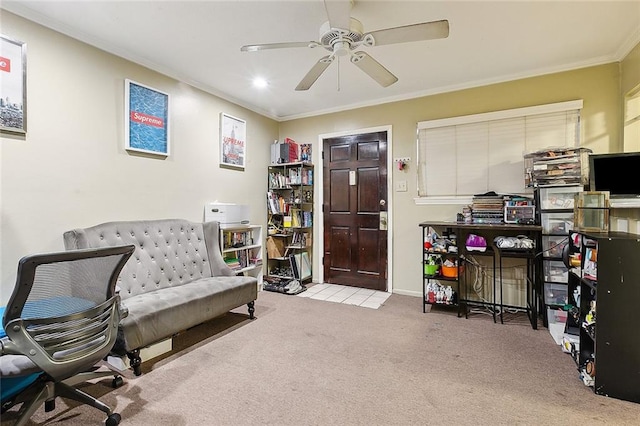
(489, 232)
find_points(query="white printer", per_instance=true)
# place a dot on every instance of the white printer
(229, 215)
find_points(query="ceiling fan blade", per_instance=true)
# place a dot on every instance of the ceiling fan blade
(373, 68)
(407, 33)
(315, 72)
(257, 47)
(339, 13)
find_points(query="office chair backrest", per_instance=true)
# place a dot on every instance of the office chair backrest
(64, 310)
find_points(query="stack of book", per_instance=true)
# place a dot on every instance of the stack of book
(233, 263)
(487, 208)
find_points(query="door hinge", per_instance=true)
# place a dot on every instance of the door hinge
(322, 154)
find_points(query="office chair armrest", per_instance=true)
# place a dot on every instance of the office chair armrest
(7, 347)
(124, 311)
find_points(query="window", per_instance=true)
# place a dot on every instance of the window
(632, 121)
(474, 154)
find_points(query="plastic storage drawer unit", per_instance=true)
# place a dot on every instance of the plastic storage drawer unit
(552, 245)
(555, 271)
(556, 294)
(557, 223)
(556, 198)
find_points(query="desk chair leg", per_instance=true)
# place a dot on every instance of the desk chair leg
(30, 407)
(77, 395)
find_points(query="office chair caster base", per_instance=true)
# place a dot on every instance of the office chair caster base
(117, 382)
(113, 420)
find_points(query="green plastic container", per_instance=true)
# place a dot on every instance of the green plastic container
(431, 269)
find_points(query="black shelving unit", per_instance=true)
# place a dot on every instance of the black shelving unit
(461, 284)
(607, 312)
(438, 279)
(290, 219)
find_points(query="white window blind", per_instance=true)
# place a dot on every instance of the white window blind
(474, 154)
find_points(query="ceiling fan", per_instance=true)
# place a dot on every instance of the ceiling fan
(342, 35)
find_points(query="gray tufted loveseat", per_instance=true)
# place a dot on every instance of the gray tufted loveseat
(175, 279)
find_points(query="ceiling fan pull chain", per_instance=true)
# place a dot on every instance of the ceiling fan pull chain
(338, 74)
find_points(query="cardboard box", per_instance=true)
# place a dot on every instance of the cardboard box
(275, 247)
(229, 215)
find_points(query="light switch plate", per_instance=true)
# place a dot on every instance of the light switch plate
(401, 186)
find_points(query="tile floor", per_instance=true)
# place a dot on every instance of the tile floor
(344, 294)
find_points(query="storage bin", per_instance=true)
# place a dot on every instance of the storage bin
(431, 269)
(555, 271)
(555, 198)
(451, 271)
(557, 320)
(556, 294)
(561, 166)
(557, 223)
(552, 245)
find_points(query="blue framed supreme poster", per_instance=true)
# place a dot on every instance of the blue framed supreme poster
(146, 119)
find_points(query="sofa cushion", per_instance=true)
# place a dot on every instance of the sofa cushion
(153, 315)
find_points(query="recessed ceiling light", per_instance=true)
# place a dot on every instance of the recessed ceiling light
(259, 82)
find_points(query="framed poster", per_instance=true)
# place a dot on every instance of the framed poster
(233, 142)
(13, 85)
(146, 119)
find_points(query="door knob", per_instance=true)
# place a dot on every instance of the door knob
(383, 202)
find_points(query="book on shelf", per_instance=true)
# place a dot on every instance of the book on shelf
(300, 265)
(305, 152)
(301, 239)
(232, 262)
(296, 218)
(276, 203)
(293, 149)
(294, 266)
(305, 265)
(237, 239)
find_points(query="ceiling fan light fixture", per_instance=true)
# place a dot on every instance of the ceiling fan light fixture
(341, 48)
(260, 83)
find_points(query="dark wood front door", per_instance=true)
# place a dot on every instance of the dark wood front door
(354, 210)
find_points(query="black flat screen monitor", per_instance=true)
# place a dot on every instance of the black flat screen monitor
(617, 173)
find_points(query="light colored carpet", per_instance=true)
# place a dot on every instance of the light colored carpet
(309, 362)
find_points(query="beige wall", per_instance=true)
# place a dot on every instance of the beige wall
(630, 67)
(597, 86)
(71, 170)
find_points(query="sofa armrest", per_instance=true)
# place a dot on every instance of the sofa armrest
(212, 240)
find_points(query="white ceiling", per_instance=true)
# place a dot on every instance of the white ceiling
(199, 42)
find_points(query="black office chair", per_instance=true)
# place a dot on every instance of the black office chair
(61, 320)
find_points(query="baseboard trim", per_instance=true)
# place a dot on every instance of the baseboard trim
(407, 292)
